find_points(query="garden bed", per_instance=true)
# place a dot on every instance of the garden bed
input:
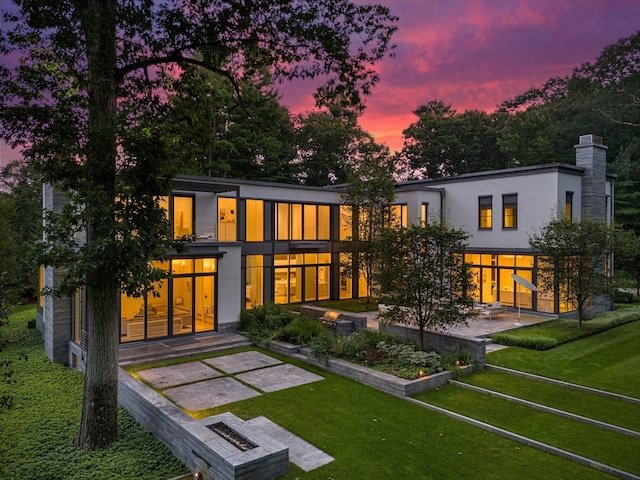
(379, 380)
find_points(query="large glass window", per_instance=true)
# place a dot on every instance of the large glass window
(295, 221)
(397, 215)
(485, 212)
(183, 303)
(301, 276)
(346, 222)
(254, 286)
(510, 211)
(183, 216)
(227, 210)
(254, 220)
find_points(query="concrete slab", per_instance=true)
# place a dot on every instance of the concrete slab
(210, 393)
(242, 362)
(172, 375)
(302, 453)
(276, 378)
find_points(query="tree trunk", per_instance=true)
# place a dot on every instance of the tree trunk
(98, 426)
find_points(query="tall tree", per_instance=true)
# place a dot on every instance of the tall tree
(84, 102)
(325, 140)
(443, 142)
(20, 185)
(424, 278)
(573, 261)
(627, 256)
(215, 132)
(368, 195)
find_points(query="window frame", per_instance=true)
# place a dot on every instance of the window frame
(509, 200)
(484, 201)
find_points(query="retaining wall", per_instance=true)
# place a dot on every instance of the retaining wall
(196, 445)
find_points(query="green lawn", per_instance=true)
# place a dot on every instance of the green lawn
(609, 360)
(371, 435)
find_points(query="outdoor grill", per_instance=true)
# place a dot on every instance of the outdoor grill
(330, 318)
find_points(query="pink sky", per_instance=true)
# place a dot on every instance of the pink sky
(474, 54)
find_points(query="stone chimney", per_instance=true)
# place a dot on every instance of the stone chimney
(591, 154)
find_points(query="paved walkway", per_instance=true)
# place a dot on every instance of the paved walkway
(216, 381)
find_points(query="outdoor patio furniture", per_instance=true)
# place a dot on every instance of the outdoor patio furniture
(493, 310)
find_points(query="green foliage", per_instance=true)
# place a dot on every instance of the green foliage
(265, 323)
(303, 330)
(547, 335)
(44, 399)
(355, 305)
(443, 142)
(620, 296)
(358, 345)
(573, 257)
(425, 273)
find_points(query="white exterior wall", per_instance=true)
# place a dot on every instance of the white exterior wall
(540, 197)
(229, 287)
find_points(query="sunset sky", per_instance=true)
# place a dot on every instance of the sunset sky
(474, 54)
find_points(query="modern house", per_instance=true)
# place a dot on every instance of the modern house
(259, 242)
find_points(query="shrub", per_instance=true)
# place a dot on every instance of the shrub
(302, 330)
(264, 323)
(359, 345)
(620, 296)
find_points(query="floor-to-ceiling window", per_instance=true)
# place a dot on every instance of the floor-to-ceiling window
(254, 280)
(301, 276)
(493, 276)
(182, 304)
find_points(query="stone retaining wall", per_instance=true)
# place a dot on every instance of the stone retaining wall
(379, 380)
(442, 343)
(196, 445)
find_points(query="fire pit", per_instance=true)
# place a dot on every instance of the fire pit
(231, 436)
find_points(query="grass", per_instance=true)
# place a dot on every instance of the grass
(547, 335)
(370, 434)
(355, 305)
(38, 430)
(608, 361)
(373, 435)
(567, 434)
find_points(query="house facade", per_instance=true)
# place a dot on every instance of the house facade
(258, 242)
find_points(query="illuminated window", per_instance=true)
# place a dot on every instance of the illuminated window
(568, 206)
(324, 222)
(282, 221)
(301, 275)
(398, 215)
(346, 222)
(510, 211)
(296, 221)
(78, 314)
(255, 220)
(227, 210)
(424, 214)
(254, 282)
(486, 212)
(310, 222)
(182, 216)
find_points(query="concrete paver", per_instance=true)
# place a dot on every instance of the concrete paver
(279, 377)
(172, 375)
(241, 362)
(210, 393)
(302, 453)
